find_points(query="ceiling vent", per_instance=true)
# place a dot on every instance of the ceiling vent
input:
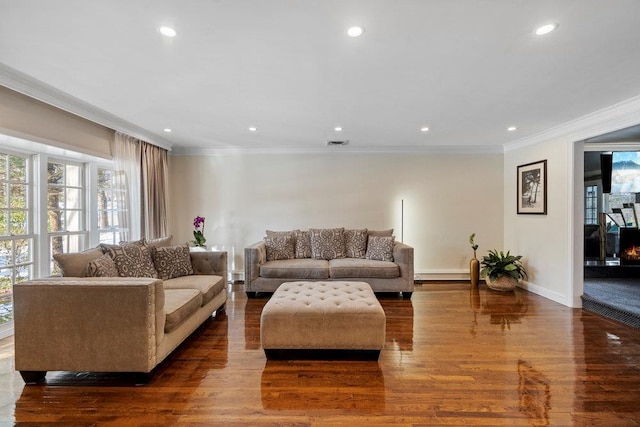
(343, 142)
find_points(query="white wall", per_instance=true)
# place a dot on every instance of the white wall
(446, 198)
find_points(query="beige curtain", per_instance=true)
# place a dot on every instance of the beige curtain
(144, 177)
(155, 186)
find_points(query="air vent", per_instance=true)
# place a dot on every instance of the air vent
(344, 142)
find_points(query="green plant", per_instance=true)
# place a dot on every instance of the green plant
(473, 244)
(198, 233)
(497, 264)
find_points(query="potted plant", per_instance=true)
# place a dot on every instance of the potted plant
(502, 271)
(474, 264)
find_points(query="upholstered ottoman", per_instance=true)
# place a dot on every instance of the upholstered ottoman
(323, 319)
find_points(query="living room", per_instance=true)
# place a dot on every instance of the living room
(433, 187)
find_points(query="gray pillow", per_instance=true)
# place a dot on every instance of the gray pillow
(102, 267)
(380, 248)
(279, 247)
(303, 244)
(172, 261)
(355, 243)
(327, 243)
(132, 260)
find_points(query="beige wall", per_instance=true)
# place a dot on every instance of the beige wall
(25, 117)
(446, 198)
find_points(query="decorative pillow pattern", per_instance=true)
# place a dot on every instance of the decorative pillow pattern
(75, 264)
(327, 243)
(380, 248)
(279, 247)
(102, 267)
(355, 243)
(172, 261)
(132, 260)
(303, 244)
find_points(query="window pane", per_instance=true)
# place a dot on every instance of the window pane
(18, 222)
(74, 243)
(4, 224)
(23, 273)
(3, 167)
(55, 221)
(57, 245)
(74, 176)
(18, 194)
(3, 196)
(55, 172)
(108, 238)
(73, 199)
(56, 198)
(23, 251)
(17, 168)
(74, 221)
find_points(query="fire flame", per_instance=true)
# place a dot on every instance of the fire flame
(632, 253)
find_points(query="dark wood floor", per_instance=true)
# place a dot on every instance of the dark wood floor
(453, 356)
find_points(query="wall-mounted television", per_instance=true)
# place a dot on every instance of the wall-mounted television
(625, 172)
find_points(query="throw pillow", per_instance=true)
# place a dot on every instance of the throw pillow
(75, 264)
(160, 241)
(355, 243)
(383, 233)
(303, 244)
(132, 260)
(327, 243)
(102, 267)
(279, 247)
(172, 261)
(380, 248)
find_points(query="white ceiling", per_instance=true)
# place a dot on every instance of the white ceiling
(468, 69)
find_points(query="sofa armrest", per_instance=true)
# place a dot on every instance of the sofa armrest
(403, 256)
(87, 324)
(254, 256)
(214, 262)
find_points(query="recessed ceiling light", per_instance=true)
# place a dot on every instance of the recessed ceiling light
(167, 130)
(355, 31)
(167, 31)
(546, 29)
(338, 128)
(511, 128)
(253, 129)
(424, 129)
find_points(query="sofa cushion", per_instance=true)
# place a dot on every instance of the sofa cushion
(295, 269)
(382, 233)
(271, 233)
(132, 260)
(209, 285)
(327, 243)
(172, 261)
(303, 244)
(354, 267)
(355, 243)
(75, 264)
(102, 266)
(179, 304)
(280, 247)
(380, 248)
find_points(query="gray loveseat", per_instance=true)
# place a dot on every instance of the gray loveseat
(113, 324)
(267, 269)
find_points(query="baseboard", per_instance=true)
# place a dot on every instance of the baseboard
(441, 274)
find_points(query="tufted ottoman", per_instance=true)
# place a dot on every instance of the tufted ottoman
(323, 320)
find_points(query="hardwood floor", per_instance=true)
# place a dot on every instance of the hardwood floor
(453, 356)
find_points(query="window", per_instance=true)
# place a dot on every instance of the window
(110, 206)
(591, 205)
(16, 238)
(65, 208)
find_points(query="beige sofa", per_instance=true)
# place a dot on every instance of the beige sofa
(112, 324)
(265, 275)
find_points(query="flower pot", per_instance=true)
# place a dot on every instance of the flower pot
(502, 283)
(198, 248)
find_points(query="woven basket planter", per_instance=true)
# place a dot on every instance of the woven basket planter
(502, 283)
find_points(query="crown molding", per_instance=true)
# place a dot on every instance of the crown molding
(609, 119)
(349, 149)
(26, 85)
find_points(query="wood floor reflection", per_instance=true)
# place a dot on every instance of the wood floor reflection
(453, 355)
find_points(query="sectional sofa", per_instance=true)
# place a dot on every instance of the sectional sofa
(358, 255)
(111, 323)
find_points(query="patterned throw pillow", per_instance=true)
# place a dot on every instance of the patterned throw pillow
(132, 260)
(355, 243)
(102, 267)
(380, 248)
(279, 247)
(303, 244)
(327, 243)
(172, 261)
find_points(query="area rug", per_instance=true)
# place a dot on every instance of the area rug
(616, 299)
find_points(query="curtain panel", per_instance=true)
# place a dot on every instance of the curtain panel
(155, 185)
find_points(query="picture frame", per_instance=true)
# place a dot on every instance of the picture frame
(532, 188)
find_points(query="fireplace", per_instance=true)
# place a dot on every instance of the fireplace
(629, 246)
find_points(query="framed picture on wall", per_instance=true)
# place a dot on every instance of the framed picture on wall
(532, 188)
